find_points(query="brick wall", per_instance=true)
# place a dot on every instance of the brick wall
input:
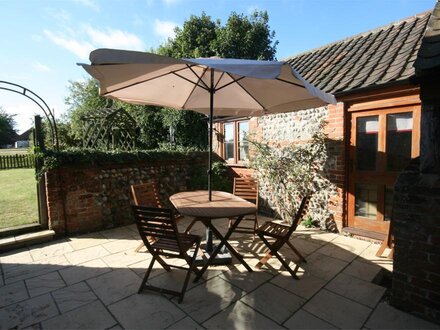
(87, 199)
(416, 221)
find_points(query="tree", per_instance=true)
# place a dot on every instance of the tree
(246, 37)
(200, 36)
(7, 130)
(241, 37)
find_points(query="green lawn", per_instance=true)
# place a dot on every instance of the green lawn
(18, 197)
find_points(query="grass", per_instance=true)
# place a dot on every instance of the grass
(18, 197)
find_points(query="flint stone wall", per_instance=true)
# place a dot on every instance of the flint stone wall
(295, 127)
(83, 199)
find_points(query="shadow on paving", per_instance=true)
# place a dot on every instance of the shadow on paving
(91, 281)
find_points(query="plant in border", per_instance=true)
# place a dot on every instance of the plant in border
(287, 173)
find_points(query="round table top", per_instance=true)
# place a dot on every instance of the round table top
(222, 205)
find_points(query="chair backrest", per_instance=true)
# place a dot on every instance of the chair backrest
(300, 213)
(146, 194)
(246, 188)
(156, 222)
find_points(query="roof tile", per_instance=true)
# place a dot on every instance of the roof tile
(376, 57)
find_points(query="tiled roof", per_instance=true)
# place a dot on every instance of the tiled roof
(377, 57)
(429, 54)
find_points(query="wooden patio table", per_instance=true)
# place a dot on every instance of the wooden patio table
(222, 205)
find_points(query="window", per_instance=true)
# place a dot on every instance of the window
(236, 145)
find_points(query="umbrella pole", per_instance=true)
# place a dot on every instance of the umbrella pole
(209, 238)
(211, 112)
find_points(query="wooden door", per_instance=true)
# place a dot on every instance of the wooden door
(382, 143)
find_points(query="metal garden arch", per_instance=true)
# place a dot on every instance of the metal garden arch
(8, 86)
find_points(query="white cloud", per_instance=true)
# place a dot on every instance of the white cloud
(171, 2)
(111, 38)
(79, 48)
(88, 3)
(40, 67)
(81, 42)
(164, 29)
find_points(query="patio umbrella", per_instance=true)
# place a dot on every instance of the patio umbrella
(212, 86)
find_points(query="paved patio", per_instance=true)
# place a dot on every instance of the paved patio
(91, 281)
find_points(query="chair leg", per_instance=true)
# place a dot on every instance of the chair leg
(147, 274)
(139, 247)
(300, 256)
(163, 263)
(286, 266)
(190, 269)
(190, 226)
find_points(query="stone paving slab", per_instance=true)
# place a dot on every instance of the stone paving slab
(356, 289)
(28, 312)
(273, 302)
(13, 293)
(115, 285)
(146, 311)
(305, 320)
(91, 316)
(91, 281)
(217, 295)
(388, 317)
(45, 283)
(89, 269)
(240, 316)
(73, 297)
(337, 310)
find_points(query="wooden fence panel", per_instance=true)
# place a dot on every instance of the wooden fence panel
(16, 161)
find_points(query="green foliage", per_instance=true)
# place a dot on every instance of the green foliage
(308, 222)
(219, 178)
(196, 39)
(82, 99)
(76, 157)
(7, 131)
(241, 37)
(247, 37)
(291, 172)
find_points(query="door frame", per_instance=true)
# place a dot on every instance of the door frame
(390, 101)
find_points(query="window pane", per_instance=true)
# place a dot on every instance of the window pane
(243, 144)
(399, 136)
(367, 129)
(366, 200)
(389, 193)
(229, 141)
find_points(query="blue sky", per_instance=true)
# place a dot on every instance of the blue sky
(42, 40)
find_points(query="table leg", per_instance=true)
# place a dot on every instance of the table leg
(223, 241)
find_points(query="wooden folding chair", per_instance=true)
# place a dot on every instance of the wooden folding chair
(160, 224)
(147, 194)
(282, 234)
(247, 188)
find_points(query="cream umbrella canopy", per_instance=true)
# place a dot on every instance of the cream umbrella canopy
(212, 86)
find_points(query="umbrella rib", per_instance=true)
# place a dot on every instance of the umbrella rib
(238, 83)
(219, 79)
(289, 82)
(144, 81)
(199, 78)
(230, 83)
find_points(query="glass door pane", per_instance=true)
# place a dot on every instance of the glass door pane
(243, 144)
(366, 200)
(229, 141)
(367, 133)
(399, 137)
